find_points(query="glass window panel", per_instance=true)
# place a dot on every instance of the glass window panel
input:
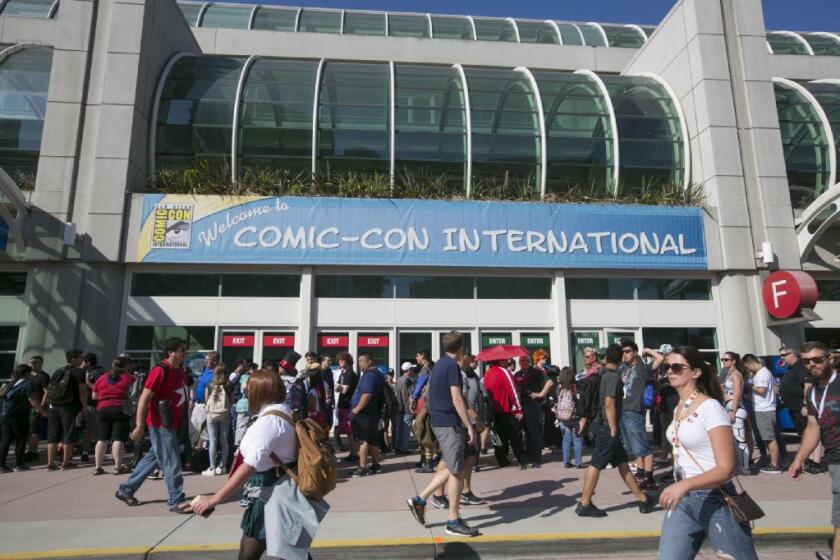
(829, 291)
(828, 96)
(276, 120)
(804, 144)
(649, 132)
(353, 118)
(364, 23)
(536, 32)
(430, 132)
(261, 285)
(505, 133)
(327, 286)
(829, 337)
(674, 289)
(28, 8)
(376, 344)
(411, 343)
(154, 337)
(275, 19)
(320, 21)
(491, 29)
(174, 285)
(24, 81)
(785, 44)
(434, 287)
(196, 112)
(822, 45)
(8, 339)
(700, 338)
(234, 17)
(621, 36)
(190, 12)
(513, 288)
(569, 33)
(578, 132)
(466, 338)
(12, 283)
(591, 35)
(600, 288)
(452, 27)
(489, 339)
(400, 25)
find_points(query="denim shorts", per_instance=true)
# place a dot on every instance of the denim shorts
(634, 434)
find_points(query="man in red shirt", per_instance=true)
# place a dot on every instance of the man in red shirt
(159, 408)
(507, 409)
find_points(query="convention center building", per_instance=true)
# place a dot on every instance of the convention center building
(260, 178)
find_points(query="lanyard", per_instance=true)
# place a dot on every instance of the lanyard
(822, 400)
(678, 418)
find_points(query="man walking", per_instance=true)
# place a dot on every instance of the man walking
(198, 416)
(454, 433)
(606, 446)
(67, 396)
(402, 422)
(418, 402)
(823, 402)
(635, 375)
(39, 381)
(159, 408)
(764, 402)
(534, 385)
(795, 383)
(367, 409)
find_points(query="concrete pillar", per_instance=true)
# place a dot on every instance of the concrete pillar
(562, 355)
(307, 304)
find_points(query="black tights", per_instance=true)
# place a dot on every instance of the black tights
(252, 549)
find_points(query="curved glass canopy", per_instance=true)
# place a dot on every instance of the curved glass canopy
(505, 123)
(592, 36)
(364, 23)
(827, 95)
(650, 141)
(823, 44)
(190, 12)
(275, 126)
(804, 143)
(624, 36)
(30, 8)
(493, 29)
(275, 19)
(408, 25)
(784, 43)
(233, 17)
(430, 124)
(537, 32)
(24, 81)
(569, 33)
(195, 115)
(452, 27)
(579, 135)
(353, 118)
(319, 21)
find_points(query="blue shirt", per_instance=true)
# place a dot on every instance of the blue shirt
(422, 379)
(371, 384)
(446, 374)
(202, 384)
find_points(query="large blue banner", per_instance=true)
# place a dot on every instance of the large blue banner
(329, 231)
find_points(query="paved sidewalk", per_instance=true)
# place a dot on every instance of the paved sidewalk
(73, 514)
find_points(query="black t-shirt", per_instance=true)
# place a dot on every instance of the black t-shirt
(530, 381)
(792, 386)
(611, 386)
(349, 378)
(829, 421)
(38, 384)
(77, 378)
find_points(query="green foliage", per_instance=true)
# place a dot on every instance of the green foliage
(209, 177)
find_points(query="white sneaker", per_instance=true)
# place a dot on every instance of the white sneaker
(208, 472)
(219, 470)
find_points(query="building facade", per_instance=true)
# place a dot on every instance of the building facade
(100, 99)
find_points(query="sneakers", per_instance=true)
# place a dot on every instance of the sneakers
(647, 484)
(351, 459)
(770, 469)
(209, 472)
(375, 468)
(21, 468)
(589, 511)
(440, 502)
(426, 468)
(98, 470)
(649, 504)
(361, 471)
(156, 475)
(470, 499)
(218, 471)
(821, 556)
(4, 469)
(418, 509)
(52, 467)
(459, 528)
(567, 465)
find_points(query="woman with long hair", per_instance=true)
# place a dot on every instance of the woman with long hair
(111, 391)
(565, 411)
(704, 462)
(217, 408)
(733, 396)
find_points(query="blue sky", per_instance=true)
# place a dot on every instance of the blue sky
(804, 15)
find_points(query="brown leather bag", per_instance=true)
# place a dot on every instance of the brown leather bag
(317, 468)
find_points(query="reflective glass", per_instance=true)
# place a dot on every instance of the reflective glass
(700, 338)
(804, 144)
(320, 21)
(327, 286)
(28, 8)
(600, 288)
(24, 81)
(512, 288)
(649, 29)
(400, 25)
(234, 17)
(569, 33)
(174, 285)
(12, 283)
(491, 29)
(828, 336)
(828, 96)
(275, 19)
(536, 32)
(154, 337)
(261, 285)
(190, 12)
(649, 134)
(196, 111)
(674, 289)
(451, 27)
(578, 132)
(430, 136)
(276, 119)
(822, 45)
(592, 36)
(505, 131)
(434, 287)
(364, 23)
(353, 123)
(621, 36)
(782, 43)
(8, 340)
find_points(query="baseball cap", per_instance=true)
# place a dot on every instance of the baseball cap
(406, 366)
(666, 349)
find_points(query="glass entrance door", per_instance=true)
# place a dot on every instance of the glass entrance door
(410, 343)
(533, 341)
(377, 345)
(331, 343)
(237, 344)
(275, 345)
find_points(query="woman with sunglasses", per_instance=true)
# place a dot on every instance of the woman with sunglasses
(704, 462)
(733, 392)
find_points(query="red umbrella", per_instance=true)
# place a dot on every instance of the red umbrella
(501, 352)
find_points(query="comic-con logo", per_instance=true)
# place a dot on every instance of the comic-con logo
(172, 225)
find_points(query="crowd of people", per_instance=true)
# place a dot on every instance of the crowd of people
(707, 425)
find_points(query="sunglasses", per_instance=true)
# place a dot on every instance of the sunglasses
(785, 354)
(726, 359)
(818, 360)
(678, 368)
(628, 351)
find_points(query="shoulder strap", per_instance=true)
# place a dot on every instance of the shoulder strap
(690, 456)
(280, 464)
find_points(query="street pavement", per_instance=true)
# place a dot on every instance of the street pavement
(528, 514)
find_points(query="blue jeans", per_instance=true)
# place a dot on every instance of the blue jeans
(402, 430)
(570, 436)
(165, 452)
(703, 514)
(218, 430)
(634, 434)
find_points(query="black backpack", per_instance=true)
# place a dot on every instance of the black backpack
(61, 387)
(389, 400)
(587, 392)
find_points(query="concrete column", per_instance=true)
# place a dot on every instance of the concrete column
(307, 305)
(562, 355)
